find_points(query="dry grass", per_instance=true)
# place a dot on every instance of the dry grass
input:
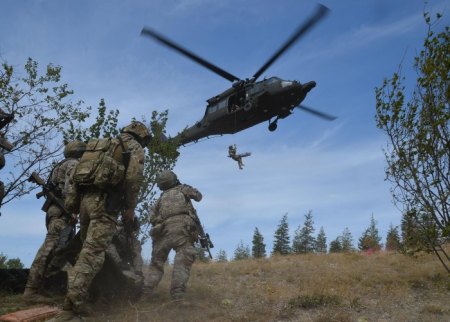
(332, 287)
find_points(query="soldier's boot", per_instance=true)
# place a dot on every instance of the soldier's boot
(31, 296)
(176, 293)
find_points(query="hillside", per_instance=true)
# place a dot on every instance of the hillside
(331, 287)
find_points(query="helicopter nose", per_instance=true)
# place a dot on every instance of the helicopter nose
(308, 86)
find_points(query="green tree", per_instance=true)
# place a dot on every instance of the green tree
(321, 242)
(42, 107)
(221, 256)
(419, 233)
(392, 239)
(14, 263)
(418, 131)
(303, 241)
(346, 241)
(370, 238)
(335, 245)
(10, 263)
(281, 238)
(241, 252)
(258, 248)
(3, 259)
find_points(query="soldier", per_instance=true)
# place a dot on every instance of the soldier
(173, 220)
(97, 219)
(237, 157)
(55, 222)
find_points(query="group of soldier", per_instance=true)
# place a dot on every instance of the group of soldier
(103, 229)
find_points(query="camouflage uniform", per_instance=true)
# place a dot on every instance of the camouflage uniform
(97, 226)
(118, 248)
(237, 157)
(55, 222)
(173, 228)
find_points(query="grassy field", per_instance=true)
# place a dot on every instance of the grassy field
(321, 288)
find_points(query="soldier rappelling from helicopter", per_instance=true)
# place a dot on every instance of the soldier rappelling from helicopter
(237, 157)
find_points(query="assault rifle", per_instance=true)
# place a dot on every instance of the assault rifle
(204, 239)
(129, 227)
(51, 193)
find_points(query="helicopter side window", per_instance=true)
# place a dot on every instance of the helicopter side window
(222, 104)
(255, 89)
(212, 109)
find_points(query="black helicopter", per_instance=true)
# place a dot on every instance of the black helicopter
(248, 102)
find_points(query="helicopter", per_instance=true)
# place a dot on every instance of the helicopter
(248, 102)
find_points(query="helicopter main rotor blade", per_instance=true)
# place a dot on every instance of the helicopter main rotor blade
(201, 61)
(321, 12)
(317, 113)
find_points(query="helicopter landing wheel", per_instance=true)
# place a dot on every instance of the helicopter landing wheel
(248, 106)
(273, 126)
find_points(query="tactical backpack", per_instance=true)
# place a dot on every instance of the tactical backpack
(98, 167)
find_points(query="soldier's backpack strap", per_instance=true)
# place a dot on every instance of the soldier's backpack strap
(126, 154)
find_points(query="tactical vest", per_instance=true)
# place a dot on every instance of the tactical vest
(98, 166)
(172, 203)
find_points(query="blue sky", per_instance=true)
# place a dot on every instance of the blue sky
(335, 169)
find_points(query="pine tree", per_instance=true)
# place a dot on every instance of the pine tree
(221, 256)
(201, 254)
(281, 238)
(259, 248)
(346, 241)
(304, 242)
(241, 252)
(370, 238)
(297, 241)
(392, 239)
(321, 242)
(335, 245)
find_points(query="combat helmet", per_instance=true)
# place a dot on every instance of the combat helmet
(166, 180)
(139, 131)
(74, 149)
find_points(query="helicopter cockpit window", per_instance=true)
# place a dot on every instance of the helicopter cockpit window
(272, 80)
(212, 109)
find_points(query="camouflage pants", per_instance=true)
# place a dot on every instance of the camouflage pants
(56, 222)
(97, 228)
(178, 237)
